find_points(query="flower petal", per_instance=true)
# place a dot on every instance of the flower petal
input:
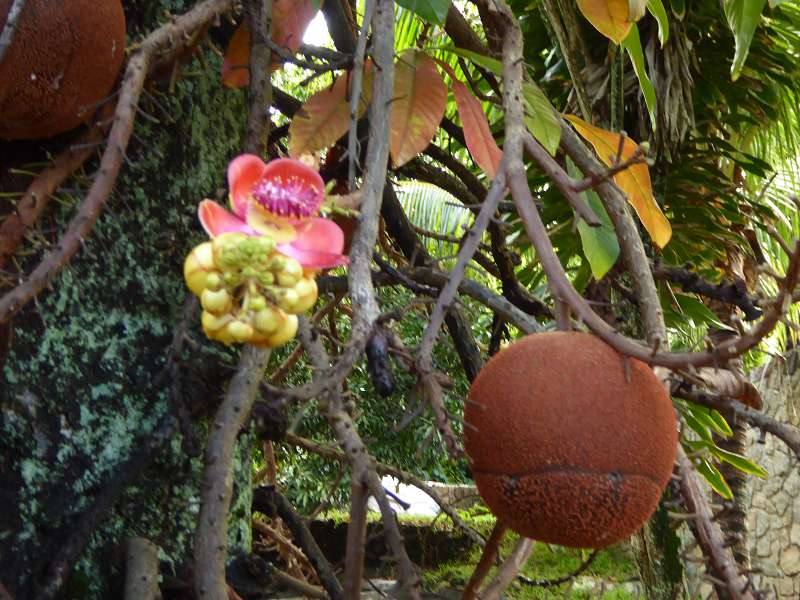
(318, 245)
(244, 172)
(216, 220)
(265, 223)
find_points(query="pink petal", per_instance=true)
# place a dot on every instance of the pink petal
(318, 245)
(244, 172)
(216, 220)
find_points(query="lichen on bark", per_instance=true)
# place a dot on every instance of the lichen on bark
(81, 389)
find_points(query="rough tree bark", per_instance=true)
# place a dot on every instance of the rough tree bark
(80, 388)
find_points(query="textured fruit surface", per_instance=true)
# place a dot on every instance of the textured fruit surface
(63, 59)
(569, 442)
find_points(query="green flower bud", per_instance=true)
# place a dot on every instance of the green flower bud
(257, 303)
(248, 271)
(277, 263)
(213, 281)
(287, 279)
(266, 278)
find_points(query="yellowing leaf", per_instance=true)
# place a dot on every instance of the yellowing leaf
(325, 117)
(612, 18)
(634, 181)
(418, 105)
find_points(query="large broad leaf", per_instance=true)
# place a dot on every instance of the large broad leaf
(633, 45)
(634, 181)
(290, 19)
(743, 18)
(236, 64)
(418, 105)
(325, 117)
(612, 18)
(541, 118)
(433, 11)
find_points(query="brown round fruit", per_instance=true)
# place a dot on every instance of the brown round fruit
(63, 59)
(569, 442)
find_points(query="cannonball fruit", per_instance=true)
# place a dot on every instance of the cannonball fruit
(63, 60)
(569, 442)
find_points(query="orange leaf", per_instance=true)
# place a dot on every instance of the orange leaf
(612, 18)
(418, 105)
(290, 20)
(236, 64)
(634, 181)
(480, 142)
(325, 117)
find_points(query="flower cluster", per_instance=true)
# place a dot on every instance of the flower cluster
(257, 272)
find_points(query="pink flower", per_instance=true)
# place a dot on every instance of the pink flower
(280, 199)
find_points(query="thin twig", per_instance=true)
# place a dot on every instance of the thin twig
(268, 500)
(356, 79)
(708, 534)
(486, 562)
(12, 18)
(361, 462)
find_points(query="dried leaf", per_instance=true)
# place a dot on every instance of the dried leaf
(236, 64)
(290, 20)
(634, 181)
(418, 105)
(325, 117)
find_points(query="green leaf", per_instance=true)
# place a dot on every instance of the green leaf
(698, 312)
(739, 462)
(697, 426)
(487, 62)
(712, 419)
(600, 245)
(633, 45)
(714, 478)
(656, 8)
(743, 18)
(433, 11)
(541, 118)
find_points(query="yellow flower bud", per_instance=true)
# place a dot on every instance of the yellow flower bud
(213, 323)
(197, 267)
(239, 331)
(267, 320)
(307, 292)
(286, 332)
(216, 302)
(288, 299)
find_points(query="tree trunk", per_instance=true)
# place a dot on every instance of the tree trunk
(82, 391)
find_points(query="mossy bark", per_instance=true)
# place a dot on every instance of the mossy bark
(81, 387)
